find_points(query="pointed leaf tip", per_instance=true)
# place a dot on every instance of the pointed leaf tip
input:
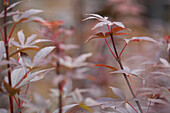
(118, 92)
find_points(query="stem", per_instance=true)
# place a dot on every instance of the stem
(22, 79)
(148, 107)
(60, 83)
(2, 34)
(132, 106)
(125, 76)
(110, 48)
(17, 102)
(131, 84)
(122, 50)
(12, 31)
(7, 53)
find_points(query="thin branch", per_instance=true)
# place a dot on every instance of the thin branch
(2, 34)
(110, 48)
(148, 107)
(131, 83)
(12, 31)
(122, 50)
(22, 78)
(132, 106)
(7, 51)
(16, 102)
(125, 76)
(60, 83)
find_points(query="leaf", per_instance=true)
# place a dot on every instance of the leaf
(120, 24)
(3, 110)
(127, 73)
(30, 39)
(85, 107)
(13, 5)
(2, 49)
(15, 43)
(11, 91)
(17, 75)
(68, 46)
(129, 108)
(83, 57)
(28, 13)
(165, 62)
(118, 93)
(99, 25)
(140, 39)
(110, 67)
(10, 7)
(43, 53)
(65, 108)
(25, 15)
(38, 41)
(26, 58)
(31, 76)
(117, 29)
(97, 35)
(23, 49)
(160, 101)
(107, 99)
(21, 37)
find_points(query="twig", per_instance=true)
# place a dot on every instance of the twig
(125, 76)
(60, 83)
(7, 51)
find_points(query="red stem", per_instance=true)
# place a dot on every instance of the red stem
(132, 106)
(7, 52)
(148, 107)
(108, 28)
(131, 83)
(22, 79)
(16, 102)
(27, 89)
(2, 34)
(12, 31)
(125, 76)
(110, 48)
(60, 83)
(122, 50)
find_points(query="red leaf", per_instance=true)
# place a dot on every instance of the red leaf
(120, 33)
(116, 29)
(113, 68)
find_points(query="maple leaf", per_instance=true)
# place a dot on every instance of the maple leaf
(76, 62)
(114, 31)
(103, 21)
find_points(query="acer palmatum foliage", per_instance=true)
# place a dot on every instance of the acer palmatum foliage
(73, 87)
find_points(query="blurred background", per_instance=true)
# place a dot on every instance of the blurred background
(143, 17)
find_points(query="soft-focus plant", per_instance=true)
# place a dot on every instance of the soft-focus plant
(19, 73)
(19, 68)
(117, 28)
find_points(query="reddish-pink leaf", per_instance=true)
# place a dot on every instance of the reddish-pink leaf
(110, 67)
(116, 29)
(120, 33)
